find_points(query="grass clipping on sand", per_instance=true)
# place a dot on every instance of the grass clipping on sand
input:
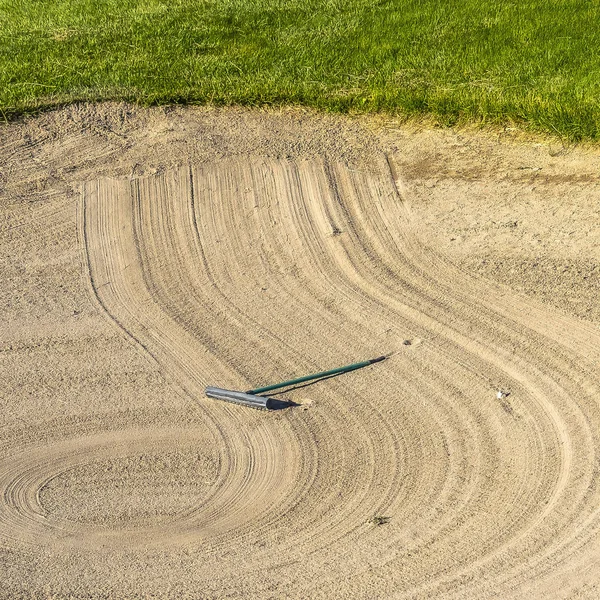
(536, 63)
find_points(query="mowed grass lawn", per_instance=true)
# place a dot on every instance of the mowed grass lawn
(536, 63)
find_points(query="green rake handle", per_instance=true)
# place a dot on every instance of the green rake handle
(345, 369)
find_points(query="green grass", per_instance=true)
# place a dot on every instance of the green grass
(536, 63)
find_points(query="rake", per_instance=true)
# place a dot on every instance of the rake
(255, 400)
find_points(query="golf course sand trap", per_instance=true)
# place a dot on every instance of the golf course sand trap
(465, 465)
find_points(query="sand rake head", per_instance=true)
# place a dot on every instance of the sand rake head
(254, 399)
(244, 398)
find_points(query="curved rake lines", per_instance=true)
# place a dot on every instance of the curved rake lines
(416, 439)
(541, 396)
(300, 303)
(564, 366)
(250, 272)
(239, 444)
(388, 384)
(93, 193)
(119, 282)
(245, 292)
(355, 333)
(149, 239)
(587, 433)
(182, 304)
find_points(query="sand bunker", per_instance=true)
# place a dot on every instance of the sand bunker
(412, 478)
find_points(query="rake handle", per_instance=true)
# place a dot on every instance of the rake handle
(345, 369)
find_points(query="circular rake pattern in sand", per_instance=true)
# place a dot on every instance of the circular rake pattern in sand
(137, 487)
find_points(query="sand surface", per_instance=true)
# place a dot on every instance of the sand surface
(147, 253)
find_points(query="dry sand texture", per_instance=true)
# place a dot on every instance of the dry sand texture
(147, 253)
